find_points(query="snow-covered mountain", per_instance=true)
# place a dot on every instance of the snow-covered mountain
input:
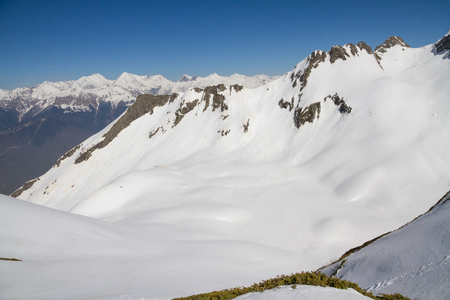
(38, 124)
(225, 186)
(87, 92)
(414, 260)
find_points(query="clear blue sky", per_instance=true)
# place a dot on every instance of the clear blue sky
(62, 39)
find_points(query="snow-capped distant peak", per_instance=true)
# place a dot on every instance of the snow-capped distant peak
(186, 78)
(213, 75)
(125, 75)
(93, 81)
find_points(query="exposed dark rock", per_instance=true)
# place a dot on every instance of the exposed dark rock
(143, 104)
(443, 44)
(292, 76)
(218, 100)
(364, 46)
(338, 101)
(308, 114)
(344, 109)
(198, 90)
(246, 126)
(66, 155)
(184, 109)
(353, 49)
(337, 52)
(313, 62)
(236, 87)
(225, 132)
(23, 188)
(171, 98)
(286, 105)
(153, 132)
(391, 42)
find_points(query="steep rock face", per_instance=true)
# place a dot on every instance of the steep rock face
(313, 61)
(443, 44)
(218, 100)
(361, 45)
(184, 109)
(307, 114)
(391, 42)
(337, 52)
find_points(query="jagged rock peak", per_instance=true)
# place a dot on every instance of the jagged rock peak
(337, 52)
(443, 44)
(361, 45)
(391, 42)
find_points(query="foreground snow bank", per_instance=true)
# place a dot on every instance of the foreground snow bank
(305, 292)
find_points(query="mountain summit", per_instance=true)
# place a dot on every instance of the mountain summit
(224, 185)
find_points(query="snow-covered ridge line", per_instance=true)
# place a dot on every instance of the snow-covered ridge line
(90, 91)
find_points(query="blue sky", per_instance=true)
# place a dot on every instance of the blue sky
(64, 40)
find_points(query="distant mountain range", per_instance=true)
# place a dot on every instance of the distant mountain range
(38, 124)
(222, 186)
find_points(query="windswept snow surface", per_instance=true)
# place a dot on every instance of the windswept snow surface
(305, 292)
(237, 194)
(413, 261)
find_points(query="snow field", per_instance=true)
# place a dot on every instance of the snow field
(191, 210)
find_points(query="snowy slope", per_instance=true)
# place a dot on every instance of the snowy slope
(227, 186)
(82, 108)
(413, 261)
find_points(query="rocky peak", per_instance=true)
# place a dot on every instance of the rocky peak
(361, 45)
(337, 52)
(391, 42)
(443, 44)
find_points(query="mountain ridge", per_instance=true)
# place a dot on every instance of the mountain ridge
(224, 186)
(125, 88)
(81, 107)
